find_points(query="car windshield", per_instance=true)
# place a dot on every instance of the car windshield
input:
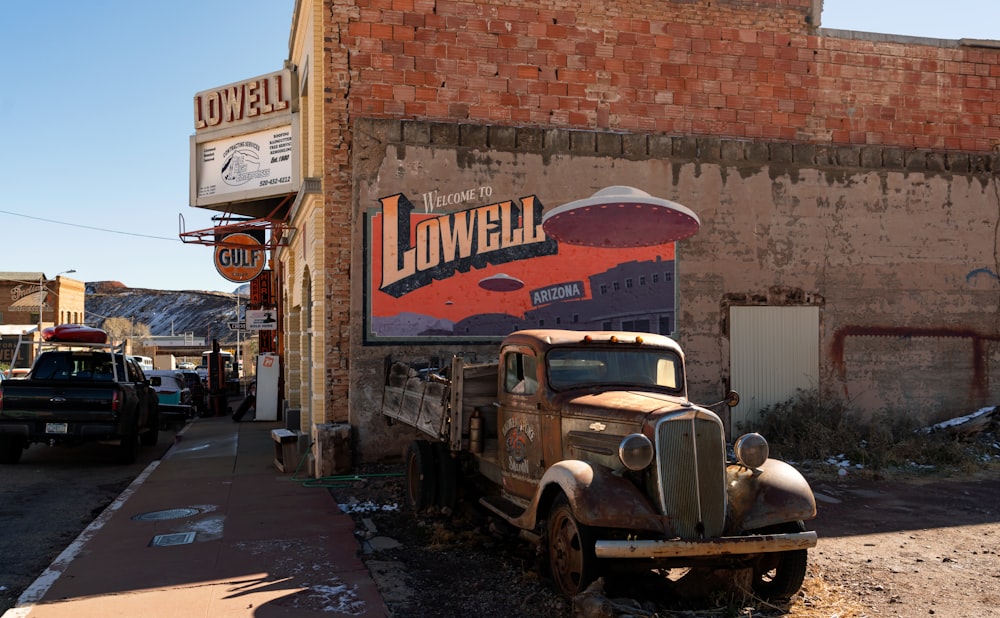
(167, 383)
(590, 366)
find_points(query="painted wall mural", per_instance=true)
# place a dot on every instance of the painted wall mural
(471, 267)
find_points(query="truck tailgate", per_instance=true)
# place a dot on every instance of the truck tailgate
(40, 400)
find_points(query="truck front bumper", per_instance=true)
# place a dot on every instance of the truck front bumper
(720, 546)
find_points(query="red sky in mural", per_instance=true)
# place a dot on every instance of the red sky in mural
(460, 295)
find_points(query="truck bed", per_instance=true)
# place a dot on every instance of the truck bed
(417, 402)
(442, 410)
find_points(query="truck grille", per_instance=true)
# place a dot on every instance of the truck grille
(691, 461)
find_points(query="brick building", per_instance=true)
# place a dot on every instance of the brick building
(845, 185)
(28, 299)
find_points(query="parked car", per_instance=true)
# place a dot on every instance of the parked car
(198, 391)
(145, 362)
(170, 385)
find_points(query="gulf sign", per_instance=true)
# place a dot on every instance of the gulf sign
(242, 262)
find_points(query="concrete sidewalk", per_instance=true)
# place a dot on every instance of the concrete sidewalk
(213, 529)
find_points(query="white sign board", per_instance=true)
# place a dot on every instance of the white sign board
(261, 319)
(244, 166)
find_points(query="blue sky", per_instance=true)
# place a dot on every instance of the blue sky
(952, 19)
(96, 112)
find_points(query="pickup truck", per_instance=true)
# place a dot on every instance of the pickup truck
(77, 393)
(590, 448)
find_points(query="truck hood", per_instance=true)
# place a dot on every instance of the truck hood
(622, 406)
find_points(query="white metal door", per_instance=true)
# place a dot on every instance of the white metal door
(773, 352)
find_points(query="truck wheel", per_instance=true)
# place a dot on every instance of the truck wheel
(152, 435)
(11, 448)
(570, 545)
(777, 576)
(447, 476)
(128, 450)
(421, 469)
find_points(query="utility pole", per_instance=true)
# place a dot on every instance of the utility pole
(236, 357)
(42, 293)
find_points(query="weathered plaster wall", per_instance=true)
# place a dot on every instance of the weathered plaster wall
(900, 261)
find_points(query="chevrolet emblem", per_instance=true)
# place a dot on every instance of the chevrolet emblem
(598, 426)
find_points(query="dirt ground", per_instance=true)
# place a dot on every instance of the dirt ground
(908, 548)
(913, 547)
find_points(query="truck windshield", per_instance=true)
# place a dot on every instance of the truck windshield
(586, 367)
(75, 366)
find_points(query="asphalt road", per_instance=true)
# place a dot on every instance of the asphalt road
(50, 497)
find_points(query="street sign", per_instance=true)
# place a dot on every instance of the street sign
(240, 326)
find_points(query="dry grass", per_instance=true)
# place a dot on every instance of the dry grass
(820, 599)
(809, 428)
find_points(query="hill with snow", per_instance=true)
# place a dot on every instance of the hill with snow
(166, 312)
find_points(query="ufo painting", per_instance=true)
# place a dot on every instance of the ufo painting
(501, 282)
(620, 217)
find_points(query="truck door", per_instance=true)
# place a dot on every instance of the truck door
(519, 421)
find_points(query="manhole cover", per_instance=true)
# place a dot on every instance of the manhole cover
(167, 514)
(166, 540)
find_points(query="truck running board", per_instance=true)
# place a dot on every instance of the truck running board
(503, 507)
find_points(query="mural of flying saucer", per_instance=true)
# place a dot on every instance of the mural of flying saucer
(620, 217)
(501, 282)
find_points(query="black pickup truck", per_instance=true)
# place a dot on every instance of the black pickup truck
(77, 394)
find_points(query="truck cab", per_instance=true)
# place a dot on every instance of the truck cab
(562, 400)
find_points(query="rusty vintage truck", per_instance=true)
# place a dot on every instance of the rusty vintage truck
(593, 451)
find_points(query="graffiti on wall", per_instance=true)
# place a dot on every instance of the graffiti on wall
(468, 266)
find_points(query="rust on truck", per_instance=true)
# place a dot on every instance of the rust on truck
(592, 448)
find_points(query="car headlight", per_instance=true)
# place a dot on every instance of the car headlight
(751, 450)
(635, 451)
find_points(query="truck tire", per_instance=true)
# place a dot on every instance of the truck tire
(11, 448)
(152, 435)
(777, 576)
(570, 547)
(128, 449)
(447, 477)
(421, 471)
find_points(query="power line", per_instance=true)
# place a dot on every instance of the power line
(88, 227)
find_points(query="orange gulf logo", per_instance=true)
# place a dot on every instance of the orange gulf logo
(243, 263)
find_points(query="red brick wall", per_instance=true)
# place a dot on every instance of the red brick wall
(729, 69)
(750, 72)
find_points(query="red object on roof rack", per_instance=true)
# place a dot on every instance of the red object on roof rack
(74, 333)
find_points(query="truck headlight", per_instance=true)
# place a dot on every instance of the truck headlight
(751, 450)
(635, 451)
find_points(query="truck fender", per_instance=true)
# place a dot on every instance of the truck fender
(773, 494)
(597, 496)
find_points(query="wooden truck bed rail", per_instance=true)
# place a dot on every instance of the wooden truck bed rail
(441, 408)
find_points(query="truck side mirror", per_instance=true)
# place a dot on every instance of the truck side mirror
(155, 381)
